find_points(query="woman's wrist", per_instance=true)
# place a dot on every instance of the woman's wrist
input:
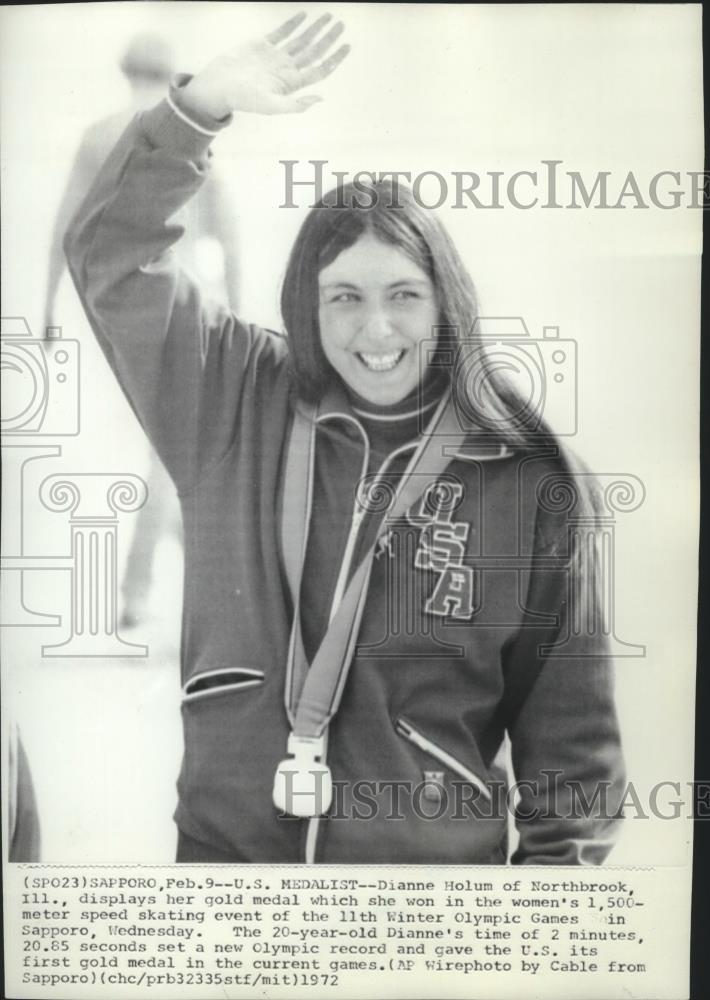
(197, 97)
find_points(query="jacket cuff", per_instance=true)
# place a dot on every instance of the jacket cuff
(174, 128)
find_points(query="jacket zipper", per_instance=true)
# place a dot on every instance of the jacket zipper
(405, 729)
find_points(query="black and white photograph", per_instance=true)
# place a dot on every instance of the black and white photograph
(350, 510)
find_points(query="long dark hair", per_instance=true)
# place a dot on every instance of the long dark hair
(389, 211)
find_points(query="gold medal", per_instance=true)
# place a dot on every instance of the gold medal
(303, 785)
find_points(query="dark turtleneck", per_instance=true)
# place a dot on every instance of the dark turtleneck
(340, 456)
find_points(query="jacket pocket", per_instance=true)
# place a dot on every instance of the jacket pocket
(224, 681)
(408, 731)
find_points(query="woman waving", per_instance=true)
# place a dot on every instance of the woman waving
(377, 588)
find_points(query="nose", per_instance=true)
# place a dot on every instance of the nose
(377, 324)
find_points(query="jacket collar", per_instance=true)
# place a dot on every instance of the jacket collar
(336, 405)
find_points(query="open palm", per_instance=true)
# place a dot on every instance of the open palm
(266, 75)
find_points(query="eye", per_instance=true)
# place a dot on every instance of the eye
(344, 297)
(402, 294)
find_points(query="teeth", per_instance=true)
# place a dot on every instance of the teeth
(381, 362)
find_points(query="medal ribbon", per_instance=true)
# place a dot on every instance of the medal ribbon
(317, 690)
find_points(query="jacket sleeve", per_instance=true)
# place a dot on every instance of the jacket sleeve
(83, 170)
(565, 740)
(181, 361)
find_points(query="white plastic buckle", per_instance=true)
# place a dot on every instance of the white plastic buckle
(303, 785)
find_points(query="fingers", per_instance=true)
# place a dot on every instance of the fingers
(286, 28)
(297, 57)
(303, 40)
(309, 55)
(319, 72)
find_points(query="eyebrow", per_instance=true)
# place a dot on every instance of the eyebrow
(395, 284)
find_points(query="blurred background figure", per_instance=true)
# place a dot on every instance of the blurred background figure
(208, 250)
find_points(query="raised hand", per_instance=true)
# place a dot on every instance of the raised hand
(265, 76)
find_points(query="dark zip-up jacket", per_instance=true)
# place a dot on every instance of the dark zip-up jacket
(461, 598)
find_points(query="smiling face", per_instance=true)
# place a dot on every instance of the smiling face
(375, 307)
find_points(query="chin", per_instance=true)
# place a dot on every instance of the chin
(390, 388)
